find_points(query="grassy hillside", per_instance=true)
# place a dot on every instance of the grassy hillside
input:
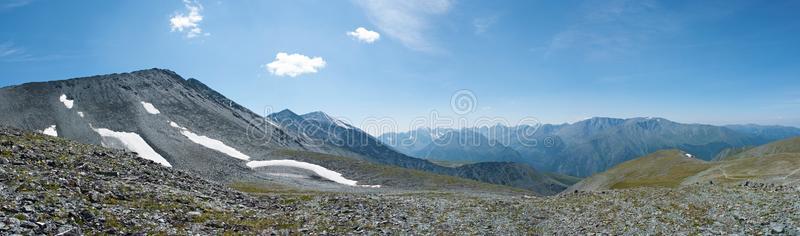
(666, 168)
(776, 163)
(780, 168)
(791, 145)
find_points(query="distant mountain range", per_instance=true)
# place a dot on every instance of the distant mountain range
(585, 147)
(326, 130)
(184, 124)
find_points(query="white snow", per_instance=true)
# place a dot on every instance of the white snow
(287, 175)
(80, 113)
(436, 133)
(51, 131)
(269, 120)
(319, 170)
(150, 108)
(211, 143)
(341, 123)
(133, 142)
(67, 103)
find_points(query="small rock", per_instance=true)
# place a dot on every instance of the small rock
(13, 222)
(776, 227)
(95, 196)
(30, 225)
(65, 230)
(86, 215)
(108, 173)
(6, 143)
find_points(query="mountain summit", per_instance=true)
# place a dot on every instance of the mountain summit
(184, 124)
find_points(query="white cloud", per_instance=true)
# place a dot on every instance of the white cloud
(365, 35)
(293, 65)
(188, 22)
(406, 20)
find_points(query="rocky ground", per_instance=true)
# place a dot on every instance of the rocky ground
(57, 187)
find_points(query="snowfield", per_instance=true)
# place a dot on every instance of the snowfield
(319, 170)
(51, 131)
(133, 142)
(150, 108)
(271, 122)
(211, 143)
(67, 103)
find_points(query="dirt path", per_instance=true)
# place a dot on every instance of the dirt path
(725, 174)
(792, 173)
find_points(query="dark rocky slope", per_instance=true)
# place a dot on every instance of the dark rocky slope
(114, 102)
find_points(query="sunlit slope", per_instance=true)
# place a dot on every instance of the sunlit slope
(779, 169)
(666, 168)
(791, 145)
(774, 163)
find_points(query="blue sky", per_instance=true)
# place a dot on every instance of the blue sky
(717, 62)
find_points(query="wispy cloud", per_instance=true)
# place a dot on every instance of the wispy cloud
(407, 21)
(293, 65)
(8, 49)
(364, 35)
(615, 28)
(190, 21)
(482, 24)
(10, 52)
(8, 4)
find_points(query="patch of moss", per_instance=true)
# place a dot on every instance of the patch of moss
(112, 221)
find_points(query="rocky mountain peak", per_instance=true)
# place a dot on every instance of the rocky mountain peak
(324, 118)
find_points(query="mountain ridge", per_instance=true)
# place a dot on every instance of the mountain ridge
(193, 127)
(596, 144)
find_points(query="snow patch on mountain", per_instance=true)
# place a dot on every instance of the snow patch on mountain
(341, 123)
(67, 103)
(319, 170)
(132, 142)
(51, 131)
(325, 118)
(150, 108)
(211, 143)
(80, 113)
(271, 122)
